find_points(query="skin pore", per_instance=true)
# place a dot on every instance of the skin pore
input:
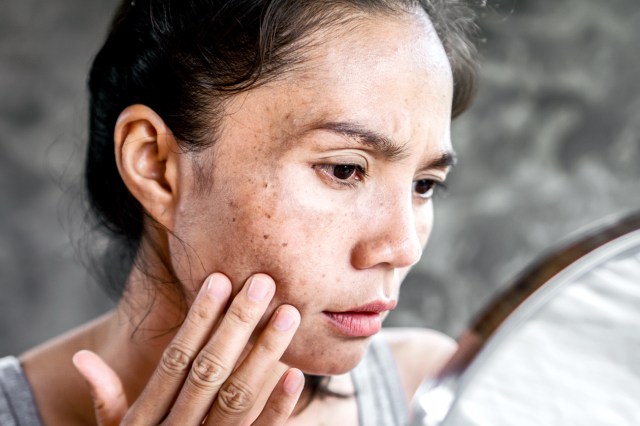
(321, 179)
(330, 244)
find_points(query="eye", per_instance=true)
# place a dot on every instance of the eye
(346, 171)
(342, 174)
(425, 188)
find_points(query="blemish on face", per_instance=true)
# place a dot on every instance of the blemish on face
(285, 244)
(265, 236)
(266, 185)
(233, 219)
(267, 215)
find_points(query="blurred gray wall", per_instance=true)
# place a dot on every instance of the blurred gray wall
(551, 144)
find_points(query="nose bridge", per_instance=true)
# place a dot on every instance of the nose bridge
(392, 236)
(401, 232)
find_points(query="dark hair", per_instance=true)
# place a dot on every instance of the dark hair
(184, 58)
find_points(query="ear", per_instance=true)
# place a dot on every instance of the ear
(147, 156)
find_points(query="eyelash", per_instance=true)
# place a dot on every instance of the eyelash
(359, 174)
(435, 188)
(329, 170)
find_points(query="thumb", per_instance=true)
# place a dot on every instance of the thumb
(109, 400)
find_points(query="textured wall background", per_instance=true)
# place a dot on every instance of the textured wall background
(551, 144)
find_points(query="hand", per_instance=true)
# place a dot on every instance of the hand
(198, 380)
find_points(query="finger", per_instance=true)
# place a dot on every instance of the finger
(240, 392)
(283, 399)
(218, 358)
(109, 400)
(167, 380)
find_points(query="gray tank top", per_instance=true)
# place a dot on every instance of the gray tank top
(17, 407)
(379, 395)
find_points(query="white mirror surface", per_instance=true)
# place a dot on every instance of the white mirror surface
(568, 355)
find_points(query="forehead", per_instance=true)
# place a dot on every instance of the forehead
(389, 74)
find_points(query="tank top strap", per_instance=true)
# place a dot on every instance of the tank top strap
(17, 406)
(379, 393)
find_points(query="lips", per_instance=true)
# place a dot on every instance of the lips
(360, 321)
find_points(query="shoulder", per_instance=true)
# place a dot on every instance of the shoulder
(419, 353)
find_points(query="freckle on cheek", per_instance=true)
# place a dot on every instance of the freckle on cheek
(265, 236)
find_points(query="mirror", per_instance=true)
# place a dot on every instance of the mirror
(560, 346)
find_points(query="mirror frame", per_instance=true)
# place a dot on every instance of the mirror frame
(485, 324)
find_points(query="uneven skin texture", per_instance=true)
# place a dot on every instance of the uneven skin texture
(275, 206)
(550, 145)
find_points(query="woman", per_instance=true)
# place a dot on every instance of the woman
(265, 170)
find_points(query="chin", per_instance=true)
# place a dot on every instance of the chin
(333, 359)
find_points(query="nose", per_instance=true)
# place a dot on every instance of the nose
(390, 238)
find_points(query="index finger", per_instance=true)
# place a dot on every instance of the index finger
(167, 379)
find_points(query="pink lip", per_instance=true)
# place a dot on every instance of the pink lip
(360, 321)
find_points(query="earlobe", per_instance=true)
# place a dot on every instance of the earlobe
(147, 158)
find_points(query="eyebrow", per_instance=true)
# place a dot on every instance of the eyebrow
(380, 143)
(446, 159)
(385, 146)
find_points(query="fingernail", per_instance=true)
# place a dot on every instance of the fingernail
(258, 289)
(217, 287)
(284, 320)
(293, 382)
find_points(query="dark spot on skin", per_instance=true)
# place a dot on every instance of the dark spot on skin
(266, 185)
(265, 236)
(285, 244)
(233, 220)
(267, 215)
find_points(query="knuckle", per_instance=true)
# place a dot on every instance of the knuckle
(208, 371)
(99, 404)
(198, 314)
(175, 360)
(270, 348)
(241, 317)
(279, 411)
(234, 398)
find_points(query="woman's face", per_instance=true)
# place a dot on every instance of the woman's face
(322, 179)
